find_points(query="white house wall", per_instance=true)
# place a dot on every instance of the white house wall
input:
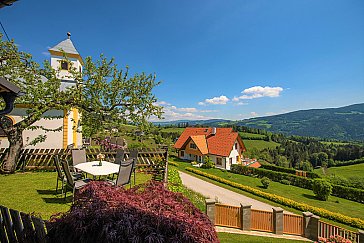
(53, 140)
(234, 152)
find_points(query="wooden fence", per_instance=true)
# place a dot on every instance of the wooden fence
(293, 224)
(227, 216)
(326, 230)
(261, 220)
(20, 227)
(43, 158)
(246, 218)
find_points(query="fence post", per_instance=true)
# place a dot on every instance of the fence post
(210, 209)
(245, 215)
(361, 236)
(311, 226)
(278, 221)
(166, 165)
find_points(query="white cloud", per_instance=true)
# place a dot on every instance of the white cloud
(259, 92)
(172, 112)
(46, 53)
(222, 100)
(253, 114)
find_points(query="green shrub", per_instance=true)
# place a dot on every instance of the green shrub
(322, 189)
(208, 163)
(173, 163)
(265, 182)
(285, 182)
(354, 222)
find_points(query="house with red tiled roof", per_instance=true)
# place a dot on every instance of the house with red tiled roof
(222, 145)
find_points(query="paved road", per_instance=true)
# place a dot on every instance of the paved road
(223, 195)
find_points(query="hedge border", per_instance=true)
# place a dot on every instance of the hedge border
(354, 222)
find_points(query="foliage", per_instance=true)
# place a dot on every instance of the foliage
(322, 189)
(355, 222)
(345, 163)
(103, 213)
(105, 95)
(285, 182)
(349, 193)
(287, 170)
(334, 239)
(175, 185)
(173, 163)
(265, 182)
(208, 163)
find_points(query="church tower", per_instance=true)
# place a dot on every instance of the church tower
(71, 129)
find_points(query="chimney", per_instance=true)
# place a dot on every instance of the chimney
(213, 132)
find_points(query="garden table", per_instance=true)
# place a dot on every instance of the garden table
(95, 169)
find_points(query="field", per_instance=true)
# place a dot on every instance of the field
(259, 144)
(251, 135)
(172, 129)
(345, 171)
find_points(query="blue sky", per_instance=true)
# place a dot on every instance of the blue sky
(231, 59)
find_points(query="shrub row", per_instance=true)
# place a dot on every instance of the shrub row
(345, 163)
(173, 163)
(273, 175)
(309, 174)
(354, 222)
(349, 193)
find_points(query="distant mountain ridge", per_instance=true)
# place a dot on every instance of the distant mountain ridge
(343, 123)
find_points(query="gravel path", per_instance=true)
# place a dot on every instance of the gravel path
(223, 195)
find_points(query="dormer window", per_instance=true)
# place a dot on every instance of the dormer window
(64, 65)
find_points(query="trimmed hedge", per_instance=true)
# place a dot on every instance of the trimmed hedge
(349, 193)
(354, 222)
(173, 163)
(299, 181)
(345, 163)
(309, 174)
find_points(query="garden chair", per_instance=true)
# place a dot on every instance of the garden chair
(124, 175)
(78, 157)
(134, 155)
(60, 175)
(71, 182)
(119, 157)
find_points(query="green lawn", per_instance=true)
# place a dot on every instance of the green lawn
(345, 171)
(236, 238)
(35, 192)
(259, 144)
(172, 129)
(251, 135)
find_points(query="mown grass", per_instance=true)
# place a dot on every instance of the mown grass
(251, 135)
(344, 171)
(259, 144)
(236, 238)
(35, 192)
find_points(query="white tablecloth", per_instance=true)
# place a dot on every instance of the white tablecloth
(95, 169)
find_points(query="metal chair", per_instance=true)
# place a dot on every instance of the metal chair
(71, 182)
(124, 175)
(119, 157)
(60, 175)
(134, 155)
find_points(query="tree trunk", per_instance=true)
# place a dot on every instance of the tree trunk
(15, 138)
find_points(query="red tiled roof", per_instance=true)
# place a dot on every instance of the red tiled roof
(219, 144)
(256, 164)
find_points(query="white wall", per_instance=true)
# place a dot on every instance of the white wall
(234, 152)
(54, 139)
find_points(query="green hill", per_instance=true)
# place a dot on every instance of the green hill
(344, 123)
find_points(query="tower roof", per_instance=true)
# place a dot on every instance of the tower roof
(66, 46)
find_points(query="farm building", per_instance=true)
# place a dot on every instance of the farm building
(222, 145)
